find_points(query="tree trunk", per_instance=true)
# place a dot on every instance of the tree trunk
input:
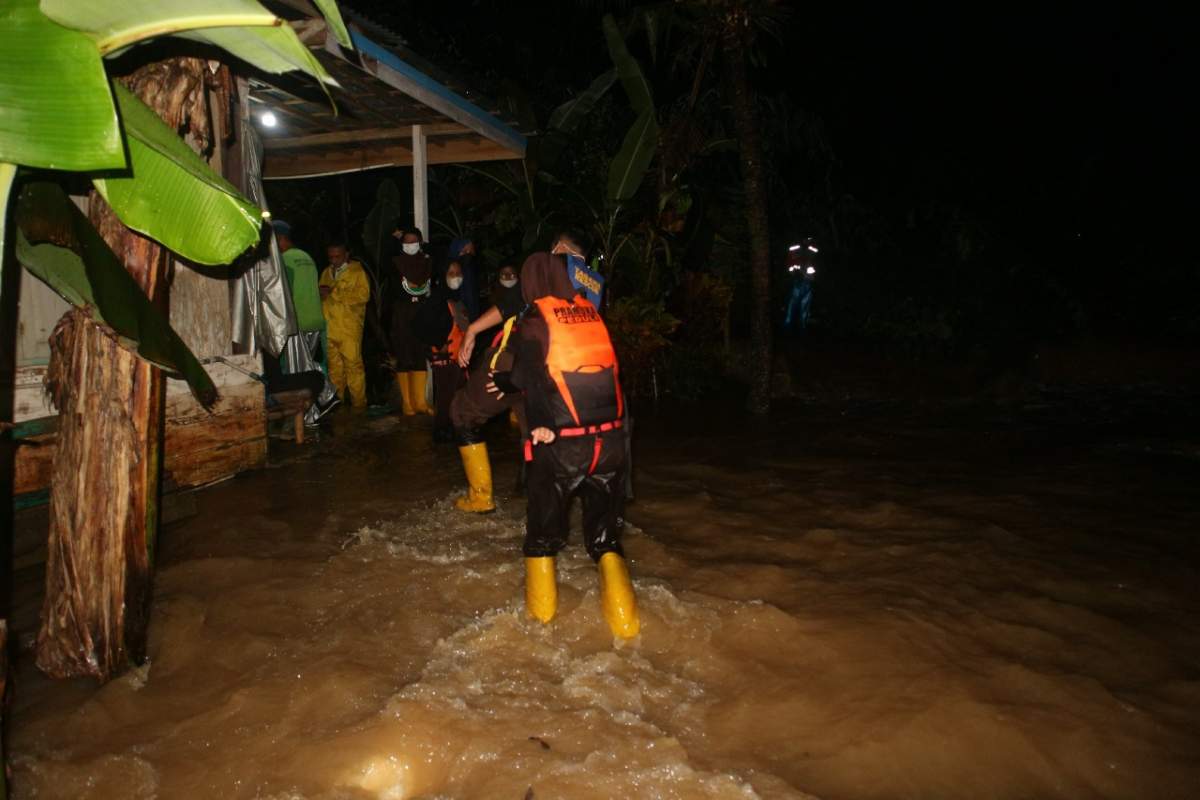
(105, 484)
(3, 727)
(754, 183)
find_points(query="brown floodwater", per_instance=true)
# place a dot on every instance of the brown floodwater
(865, 604)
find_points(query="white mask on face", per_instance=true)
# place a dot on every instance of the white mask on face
(412, 248)
(454, 283)
(508, 283)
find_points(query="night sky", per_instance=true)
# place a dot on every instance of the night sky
(1063, 117)
(1055, 129)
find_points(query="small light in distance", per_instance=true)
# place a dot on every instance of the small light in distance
(810, 271)
(793, 248)
(269, 120)
(813, 248)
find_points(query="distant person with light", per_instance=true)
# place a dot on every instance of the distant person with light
(802, 269)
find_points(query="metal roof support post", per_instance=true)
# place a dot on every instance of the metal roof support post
(420, 181)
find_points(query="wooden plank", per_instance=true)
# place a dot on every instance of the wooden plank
(30, 400)
(33, 463)
(400, 134)
(199, 311)
(199, 447)
(217, 463)
(440, 151)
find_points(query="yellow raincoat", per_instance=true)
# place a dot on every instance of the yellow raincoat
(345, 309)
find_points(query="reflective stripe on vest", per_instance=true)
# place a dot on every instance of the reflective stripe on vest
(501, 341)
(581, 361)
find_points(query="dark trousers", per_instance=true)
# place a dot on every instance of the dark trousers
(448, 378)
(557, 473)
(473, 405)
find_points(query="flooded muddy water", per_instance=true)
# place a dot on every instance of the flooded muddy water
(866, 605)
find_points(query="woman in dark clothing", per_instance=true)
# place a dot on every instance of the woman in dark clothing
(506, 291)
(440, 324)
(413, 268)
(462, 252)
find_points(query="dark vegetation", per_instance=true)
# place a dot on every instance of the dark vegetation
(982, 188)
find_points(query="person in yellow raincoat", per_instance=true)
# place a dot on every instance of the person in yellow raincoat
(345, 291)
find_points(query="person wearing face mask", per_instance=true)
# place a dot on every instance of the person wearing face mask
(462, 252)
(345, 291)
(413, 268)
(562, 360)
(440, 324)
(506, 292)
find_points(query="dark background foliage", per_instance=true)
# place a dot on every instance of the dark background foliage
(982, 182)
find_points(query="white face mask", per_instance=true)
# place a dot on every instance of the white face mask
(454, 283)
(412, 248)
(508, 283)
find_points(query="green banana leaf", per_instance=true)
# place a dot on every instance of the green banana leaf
(567, 116)
(114, 26)
(276, 50)
(333, 17)
(628, 70)
(629, 165)
(171, 194)
(242, 28)
(7, 173)
(56, 243)
(55, 108)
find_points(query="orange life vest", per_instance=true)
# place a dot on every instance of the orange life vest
(582, 363)
(455, 338)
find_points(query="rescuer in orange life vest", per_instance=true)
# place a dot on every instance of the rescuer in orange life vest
(562, 359)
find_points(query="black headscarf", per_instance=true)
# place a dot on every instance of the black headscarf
(545, 275)
(507, 296)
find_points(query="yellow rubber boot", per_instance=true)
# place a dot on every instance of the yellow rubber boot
(616, 597)
(541, 591)
(478, 499)
(406, 405)
(416, 390)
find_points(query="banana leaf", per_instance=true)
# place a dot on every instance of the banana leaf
(333, 18)
(171, 194)
(276, 50)
(567, 116)
(242, 28)
(629, 165)
(55, 242)
(632, 79)
(115, 26)
(56, 111)
(7, 173)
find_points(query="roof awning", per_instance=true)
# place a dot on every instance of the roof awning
(382, 97)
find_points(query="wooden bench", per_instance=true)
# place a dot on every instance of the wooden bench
(291, 404)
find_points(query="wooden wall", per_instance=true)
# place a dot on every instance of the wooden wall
(200, 447)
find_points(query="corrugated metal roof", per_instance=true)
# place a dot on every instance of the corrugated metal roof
(385, 90)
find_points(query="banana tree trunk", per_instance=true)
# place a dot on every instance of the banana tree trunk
(105, 487)
(3, 683)
(755, 186)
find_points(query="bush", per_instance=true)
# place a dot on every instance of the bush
(640, 329)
